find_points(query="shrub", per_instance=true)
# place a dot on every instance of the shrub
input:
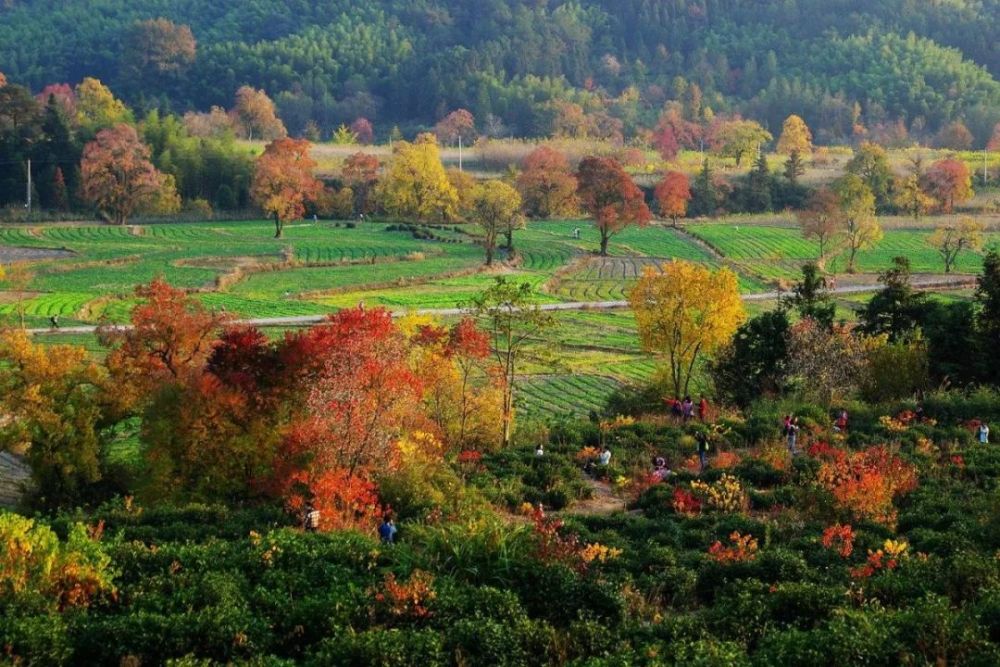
(381, 648)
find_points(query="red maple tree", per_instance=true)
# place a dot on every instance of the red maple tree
(611, 197)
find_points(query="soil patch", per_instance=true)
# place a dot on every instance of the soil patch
(12, 254)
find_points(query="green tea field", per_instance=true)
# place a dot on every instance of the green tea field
(87, 275)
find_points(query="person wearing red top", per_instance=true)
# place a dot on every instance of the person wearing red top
(703, 408)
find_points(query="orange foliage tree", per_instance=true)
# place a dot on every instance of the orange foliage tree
(547, 187)
(463, 390)
(611, 197)
(118, 177)
(360, 173)
(363, 396)
(159, 46)
(673, 194)
(460, 123)
(172, 335)
(283, 181)
(949, 182)
(255, 115)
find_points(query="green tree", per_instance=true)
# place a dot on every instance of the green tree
(896, 309)
(509, 312)
(811, 298)
(753, 364)
(988, 319)
(704, 194)
(871, 164)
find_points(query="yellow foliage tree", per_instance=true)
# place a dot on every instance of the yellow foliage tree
(795, 136)
(949, 239)
(415, 185)
(97, 108)
(911, 197)
(496, 207)
(857, 211)
(684, 312)
(53, 398)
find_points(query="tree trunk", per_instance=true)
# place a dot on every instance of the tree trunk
(604, 243)
(489, 255)
(278, 227)
(850, 260)
(510, 241)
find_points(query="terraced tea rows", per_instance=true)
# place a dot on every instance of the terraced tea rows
(564, 394)
(773, 252)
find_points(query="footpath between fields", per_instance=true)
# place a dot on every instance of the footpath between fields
(941, 283)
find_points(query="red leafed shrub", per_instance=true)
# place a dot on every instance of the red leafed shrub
(394, 600)
(685, 502)
(470, 457)
(866, 483)
(743, 549)
(841, 538)
(553, 545)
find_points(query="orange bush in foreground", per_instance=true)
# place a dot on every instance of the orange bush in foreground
(866, 483)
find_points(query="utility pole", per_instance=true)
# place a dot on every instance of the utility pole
(28, 204)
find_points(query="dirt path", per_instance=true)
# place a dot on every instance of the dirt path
(603, 501)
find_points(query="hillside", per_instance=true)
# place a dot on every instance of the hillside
(404, 62)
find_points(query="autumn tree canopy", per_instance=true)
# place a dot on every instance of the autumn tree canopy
(547, 186)
(737, 138)
(949, 182)
(685, 311)
(950, 239)
(610, 197)
(509, 314)
(496, 209)
(911, 198)
(673, 194)
(458, 123)
(97, 108)
(856, 204)
(415, 184)
(795, 136)
(360, 174)
(255, 115)
(159, 46)
(821, 221)
(118, 177)
(283, 181)
(53, 400)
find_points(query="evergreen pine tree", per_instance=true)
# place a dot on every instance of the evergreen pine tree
(704, 196)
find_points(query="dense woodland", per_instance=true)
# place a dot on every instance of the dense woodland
(840, 64)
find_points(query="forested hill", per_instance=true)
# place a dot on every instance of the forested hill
(927, 62)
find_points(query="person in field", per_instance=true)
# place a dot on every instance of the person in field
(840, 425)
(792, 434)
(984, 434)
(703, 409)
(310, 518)
(387, 530)
(687, 409)
(605, 457)
(701, 438)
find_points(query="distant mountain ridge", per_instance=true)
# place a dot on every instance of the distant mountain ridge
(409, 61)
